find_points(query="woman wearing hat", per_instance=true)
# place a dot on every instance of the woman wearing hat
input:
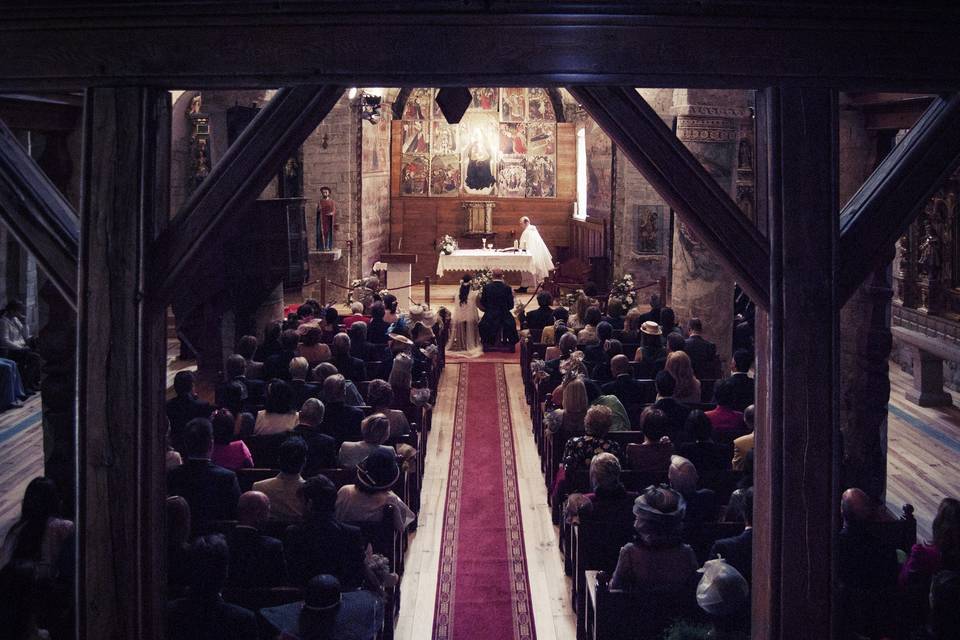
(364, 501)
(326, 612)
(650, 350)
(657, 558)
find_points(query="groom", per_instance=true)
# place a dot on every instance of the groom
(498, 328)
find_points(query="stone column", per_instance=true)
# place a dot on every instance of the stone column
(708, 122)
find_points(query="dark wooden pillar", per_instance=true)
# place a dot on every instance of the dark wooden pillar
(121, 350)
(797, 435)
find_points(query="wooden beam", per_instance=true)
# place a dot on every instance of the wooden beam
(797, 452)
(895, 193)
(682, 182)
(648, 43)
(38, 215)
(121, 366)
(237, 179)
(401, 102)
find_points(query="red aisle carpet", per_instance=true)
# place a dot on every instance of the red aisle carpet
(483, 590)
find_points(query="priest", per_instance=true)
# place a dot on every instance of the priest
(498, 327)
(542, 265)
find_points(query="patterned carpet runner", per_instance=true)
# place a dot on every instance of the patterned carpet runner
(483, 589)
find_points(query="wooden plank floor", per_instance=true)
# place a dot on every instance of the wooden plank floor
(923, 458)
(21, 457)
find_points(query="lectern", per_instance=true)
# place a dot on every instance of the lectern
(399, 266)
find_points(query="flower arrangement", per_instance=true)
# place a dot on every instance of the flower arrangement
(480, 278)
(569, 300)
(447, 245)
(622, 289)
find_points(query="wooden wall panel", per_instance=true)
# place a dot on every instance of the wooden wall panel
(416, 223)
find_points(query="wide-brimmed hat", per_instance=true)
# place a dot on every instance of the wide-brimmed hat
(399, 337)
(722, 590)
(651, 328)
(422, 314)
(656, 523)
(378, 471)
(322, 595)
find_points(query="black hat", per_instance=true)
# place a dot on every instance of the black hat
(378, 471)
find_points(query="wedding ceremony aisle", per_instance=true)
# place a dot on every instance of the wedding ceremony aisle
(483, 590)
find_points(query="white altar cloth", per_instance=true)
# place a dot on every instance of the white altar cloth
(476, 259)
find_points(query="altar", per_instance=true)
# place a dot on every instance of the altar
(477, 259)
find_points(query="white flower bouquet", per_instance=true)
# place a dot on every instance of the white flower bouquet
(447, 245)
(623, 289)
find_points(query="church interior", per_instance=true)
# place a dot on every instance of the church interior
(531, 320)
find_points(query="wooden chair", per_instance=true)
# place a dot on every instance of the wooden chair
(594, 546)
(383, 536)
(634, 615)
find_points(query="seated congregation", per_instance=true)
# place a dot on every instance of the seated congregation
(291, 496)
(647, 456)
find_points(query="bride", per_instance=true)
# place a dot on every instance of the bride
(464, 332)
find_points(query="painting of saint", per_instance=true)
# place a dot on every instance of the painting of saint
(484, 99)
(648, 224)
(599, 169)
(541, 177)
(539, 106)
(445, 175)
(513, 138)
(414, 172)
(418, 105)
(541, 138)
(416, 137)
(512, 105)
(512, 177)
(479, 139)
(445, 139)
(375, 146)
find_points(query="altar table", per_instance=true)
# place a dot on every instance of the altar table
(477, 259)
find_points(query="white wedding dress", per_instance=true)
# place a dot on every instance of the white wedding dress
(464, 329)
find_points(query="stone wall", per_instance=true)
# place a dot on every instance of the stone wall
(643, 222)
(331, 158)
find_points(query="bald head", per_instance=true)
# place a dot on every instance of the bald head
(340, 344)
(749, 414)
(568, 343)
(619, 365)
(253, 508)
(856, 506)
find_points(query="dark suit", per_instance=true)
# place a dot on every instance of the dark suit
(702, 506)
(537, 319)
(256, 391)
(377, 331)
(303, 390)
(498, 322)
(197, 619)
(256, 560)
(676, 413)
(707, 456)
(737, 551)
(180, 411)
(322, 450)
(743, 390)
(653, 315)
(278, 365)
(211, 491)
(703, 354)
(324, 545)
(628, 390)
(350, 368)
(342, 422)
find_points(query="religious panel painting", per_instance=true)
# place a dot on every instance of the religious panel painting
(445, 175)
(651, 229)
(414, 175)
(541, 176)
(416, 136)
(541, 138)
(479, 138)
(512, 104)
(539, 106)
(419, 105)
(513, 138)
(375, 146)
(484, 99)
(599, 171)
(512, 176)
(445, 138)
